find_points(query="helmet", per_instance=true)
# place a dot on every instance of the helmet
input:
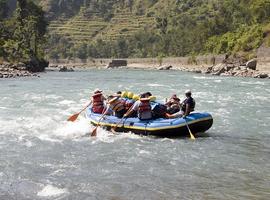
(152, 98)
(188, 92)
(136, 97)
(124, 94)
(130, 95)
(97, 91)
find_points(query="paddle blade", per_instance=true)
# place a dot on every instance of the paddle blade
(191, 135)
(73, 117)
(94, 132)
(113, 129)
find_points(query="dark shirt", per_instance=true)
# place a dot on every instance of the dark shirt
(188, 101)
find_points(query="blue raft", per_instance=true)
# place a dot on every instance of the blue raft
(197, 122)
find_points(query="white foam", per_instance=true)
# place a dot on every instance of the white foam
(155, 85)
(144, 152)
(48, 138)
(4, 108)
(50, 190)
(202, 77)
(252, 83)
(110, 137)
(66, 102)
(217, 81)
(73, 129)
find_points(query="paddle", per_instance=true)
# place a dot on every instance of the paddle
(94, 131)
(114, 128)
(75, 116)
(190, 133)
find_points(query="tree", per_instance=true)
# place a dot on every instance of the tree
(30, 29)
(3, 9)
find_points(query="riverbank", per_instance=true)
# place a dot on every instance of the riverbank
(21, 69)
(215, 65)
(9, 70)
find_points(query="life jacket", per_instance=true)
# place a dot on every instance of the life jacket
(116, 104)
(144, 109)
(192, 105)
(129, 103)
(97, 104)
(173, 108)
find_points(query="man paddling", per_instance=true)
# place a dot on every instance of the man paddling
(188, 106)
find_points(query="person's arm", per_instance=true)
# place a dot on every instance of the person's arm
(132, 109)
(187, 111)
(106, 109)
(91, 100)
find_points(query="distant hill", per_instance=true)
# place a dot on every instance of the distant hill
(151, 28)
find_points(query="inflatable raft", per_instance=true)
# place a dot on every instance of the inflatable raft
(197, 122)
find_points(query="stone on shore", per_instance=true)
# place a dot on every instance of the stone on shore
(165, 67)
(235, 69)
(117, 63)
(66, 69)
(9, 70)
(251, 64)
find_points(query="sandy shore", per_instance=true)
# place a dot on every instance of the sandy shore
(200, 63)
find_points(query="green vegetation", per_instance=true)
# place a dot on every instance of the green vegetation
(139, 28)
(150, 28)
(23, 34)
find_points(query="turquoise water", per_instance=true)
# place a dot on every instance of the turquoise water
(42, 156)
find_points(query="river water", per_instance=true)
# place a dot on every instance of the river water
(42, 156)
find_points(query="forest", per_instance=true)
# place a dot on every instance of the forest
(22, 33)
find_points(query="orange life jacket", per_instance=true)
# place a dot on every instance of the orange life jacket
(97, 103)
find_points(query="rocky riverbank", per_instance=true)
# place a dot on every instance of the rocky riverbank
(20, 69)
(9, 70)
(227, 68)
(218, 65)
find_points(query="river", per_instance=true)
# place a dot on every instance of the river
(42, 156)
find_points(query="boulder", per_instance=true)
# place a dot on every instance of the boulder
(65, 69)
(218, 69)
(208, 70)
(117, 63)
(251, 64)
(260, 75)
(36, 65)
(165, 67)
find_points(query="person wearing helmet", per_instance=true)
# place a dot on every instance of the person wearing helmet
(173, 105)
(97, 101)
(145, 95)
(188, 106)
(117, 105)
(143, 109)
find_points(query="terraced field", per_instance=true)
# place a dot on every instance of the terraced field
(82, 29)
(125, 25)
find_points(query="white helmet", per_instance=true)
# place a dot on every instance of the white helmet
(188, 92)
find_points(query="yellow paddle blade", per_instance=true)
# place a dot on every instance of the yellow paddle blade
(73, 117)
(191, 135)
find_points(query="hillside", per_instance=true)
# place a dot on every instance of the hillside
(155, 28)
